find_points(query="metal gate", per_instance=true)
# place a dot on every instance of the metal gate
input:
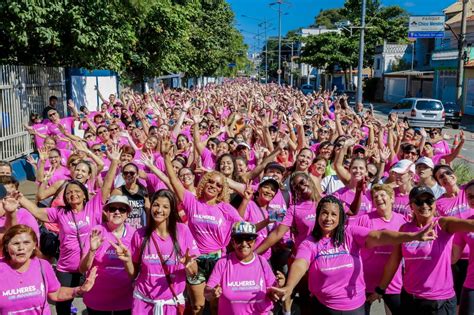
(24, 90)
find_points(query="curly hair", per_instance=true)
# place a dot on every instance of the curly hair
(224, 196)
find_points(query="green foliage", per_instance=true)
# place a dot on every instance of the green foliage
(463, 171)
(329, 18)
(328, 50)
(136, 38)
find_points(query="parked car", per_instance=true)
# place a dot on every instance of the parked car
(351, 97)
(453, 114)
(421, 112)
(307, 89)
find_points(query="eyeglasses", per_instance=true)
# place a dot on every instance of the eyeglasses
(113, 129)
(239, 239)
(96, 149)
(102, 131)
(114, 209)
(52, 114)
(323, 131)
(203, 126)
(129, 173)
(420, 203)
(371, 174)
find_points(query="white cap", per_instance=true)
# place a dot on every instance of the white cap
(243, 144)
(403, 166)
(425, 160)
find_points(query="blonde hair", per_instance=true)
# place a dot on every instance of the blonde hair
(224, 195)
(382, 187)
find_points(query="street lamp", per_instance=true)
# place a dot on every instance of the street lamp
(265, 25)
(279, 3)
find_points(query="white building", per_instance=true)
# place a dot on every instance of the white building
(389, 55)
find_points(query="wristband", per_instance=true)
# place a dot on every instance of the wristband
(287, 313)
(379, 291)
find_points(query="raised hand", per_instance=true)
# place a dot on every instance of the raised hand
(427, 234)
(114, 153)
(166, 146)
(43, 153)
(280, 278)
(10, 204)
(189, 263)
(147, 159)
(122, 251)
(216, 292)
(248, 192)
(96, 240)
(31, 160)
(384, 154)
(70, 104)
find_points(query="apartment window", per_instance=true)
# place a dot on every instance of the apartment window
(377, 64)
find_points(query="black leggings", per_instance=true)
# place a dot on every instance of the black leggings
(459, 270)
(392, 301)
(320, 309)
(70, 280)
(413, 305)
(90, 311)
(466, 306)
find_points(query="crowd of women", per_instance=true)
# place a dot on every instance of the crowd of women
(238, 198)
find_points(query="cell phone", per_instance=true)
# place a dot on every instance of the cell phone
(103, 148)
(171, 122)
(138, 124)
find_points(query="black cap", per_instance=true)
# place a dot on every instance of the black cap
(275, 165)
(273, 128)
(420, 190)
(3, 191)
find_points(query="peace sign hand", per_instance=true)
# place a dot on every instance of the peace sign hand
(122, 251)
(189, 263)
(248, 192)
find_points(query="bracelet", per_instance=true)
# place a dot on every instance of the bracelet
(287, 313)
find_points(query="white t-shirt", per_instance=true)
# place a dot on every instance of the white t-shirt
(331, 184)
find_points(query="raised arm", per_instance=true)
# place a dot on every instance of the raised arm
(174, 180)
(38, 213)
(272, 238)
(387, 237)
(454, 225)
(114, 157)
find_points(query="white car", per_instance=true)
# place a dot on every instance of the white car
(421, 112)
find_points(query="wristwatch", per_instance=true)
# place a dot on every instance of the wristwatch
(379, 291)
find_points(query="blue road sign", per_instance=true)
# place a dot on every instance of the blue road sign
(425, 34)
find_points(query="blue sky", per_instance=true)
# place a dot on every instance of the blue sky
(301, 13)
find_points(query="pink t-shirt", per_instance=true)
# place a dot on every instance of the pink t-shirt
(374, 259)
(457, 206)
(244, 285)
(441, 148)
(208, 159)
(461, 239)
(301, 216)
(255, 214)
(153, 184)
(428, 272)
(70, 226)
(210, 225)
(347, 195)
(401, 203)
(24, 292)
(23, 216)
(335, 273)
(151, 281)
(113, 290)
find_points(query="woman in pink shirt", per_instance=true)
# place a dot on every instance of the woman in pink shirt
(427, 278)
(466, 304)
(403, 172)
(331, 255)
(240, 280)
(76, 218)
(113, 292)
(210, 219)
(28, 281)
(374, 259)
(160, 258)
(301, 213)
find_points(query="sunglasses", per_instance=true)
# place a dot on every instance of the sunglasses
(323, 131)
(101, 132)
(52, 114)
(113, 129)
(241, 238)
(411, 152)
(203, 126)
(126, 173)
(114, 209)
(420, 203)
(371, 174)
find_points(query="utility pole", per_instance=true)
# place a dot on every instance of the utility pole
(291, 65)
(360, 67)
(461, 52)
(279, 3)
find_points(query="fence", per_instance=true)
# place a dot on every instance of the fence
(23, 90)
